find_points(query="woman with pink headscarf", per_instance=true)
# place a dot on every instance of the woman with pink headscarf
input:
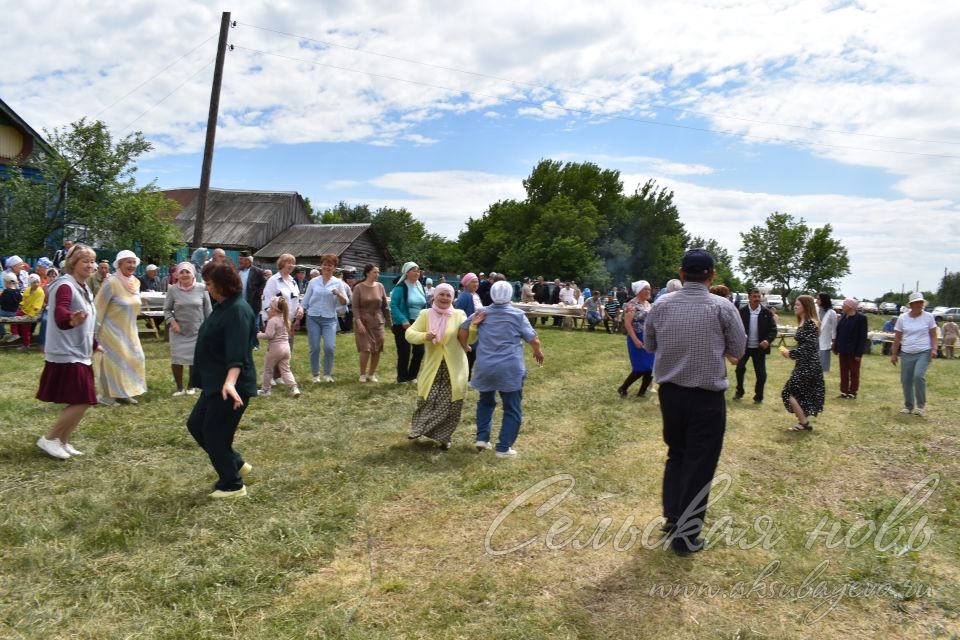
(186, 307)
(469, 302)
(442, 381)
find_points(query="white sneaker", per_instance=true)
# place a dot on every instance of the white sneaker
(295, 392)
(482, 446)
(906, 411)
(53, 448)
(106, 401)
(328, 378)
(219, 494)
(263, 392)
(177, 394)
(363, 378)
(316, 378)
(275, 382)
(373, 378)
(69, 449)
(191, 391)
(509, 453)
(918, 411)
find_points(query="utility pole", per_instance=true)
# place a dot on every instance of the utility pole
(211, 132)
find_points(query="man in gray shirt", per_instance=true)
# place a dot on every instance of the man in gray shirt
(692, 332)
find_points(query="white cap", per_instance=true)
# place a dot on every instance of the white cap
(151, 267)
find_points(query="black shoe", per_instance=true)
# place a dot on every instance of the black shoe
(669, 526)
(757, 400)
(738, 396)
(684, 547)
(445, 446)
(622, 392)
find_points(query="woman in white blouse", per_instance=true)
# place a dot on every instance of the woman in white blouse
(284, 284)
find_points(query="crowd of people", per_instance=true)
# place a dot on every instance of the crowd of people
(447, 340)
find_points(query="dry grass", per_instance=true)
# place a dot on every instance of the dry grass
(350, 531)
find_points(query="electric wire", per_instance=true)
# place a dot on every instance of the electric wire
(535, 85)
(151, 78)
(798, 143)
(164, 98)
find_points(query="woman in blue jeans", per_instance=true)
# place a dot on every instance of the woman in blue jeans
(915, 343)
(501, 331)
(320, 302)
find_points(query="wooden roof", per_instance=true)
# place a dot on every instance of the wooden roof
(312, 240)
(242, 219)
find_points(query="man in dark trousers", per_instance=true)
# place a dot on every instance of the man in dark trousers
(253, 281)
(761, 330)
(541, 294)
(692, 331)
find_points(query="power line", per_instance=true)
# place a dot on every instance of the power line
(535, 85)
(151, 78)
(590, 113)
(163, 99)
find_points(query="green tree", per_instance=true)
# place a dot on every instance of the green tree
(723, 262)
(646, 238)
(788, 254)
(949, 292)
(344, 213)
(400, 232)
(88, 188)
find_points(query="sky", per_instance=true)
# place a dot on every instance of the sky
(840, 112)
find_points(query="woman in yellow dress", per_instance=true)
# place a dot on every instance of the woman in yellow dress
(122, 370)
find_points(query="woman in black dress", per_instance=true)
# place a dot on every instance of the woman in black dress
(804, 391)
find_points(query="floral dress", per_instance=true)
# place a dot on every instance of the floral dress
(806, 382)
(641, 360)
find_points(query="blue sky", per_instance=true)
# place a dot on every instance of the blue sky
(839, 112)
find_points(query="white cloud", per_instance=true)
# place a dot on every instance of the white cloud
(342, 184)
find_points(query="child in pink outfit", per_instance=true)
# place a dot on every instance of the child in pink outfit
(277, 332)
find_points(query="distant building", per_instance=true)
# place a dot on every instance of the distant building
(355, 245)
(19, 143)
(271, 223)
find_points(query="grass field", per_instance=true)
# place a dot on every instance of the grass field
(351, 531)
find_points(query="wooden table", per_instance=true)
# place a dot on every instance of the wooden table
(152, 310)
(570, 313)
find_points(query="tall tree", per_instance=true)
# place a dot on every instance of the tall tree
(88, 189)
(646, 238)
(723, 262)
(788, 254)
(400, 232)
(949, 292)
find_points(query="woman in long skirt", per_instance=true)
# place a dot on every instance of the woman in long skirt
(442, 381)
(122, 371)
(186, 307)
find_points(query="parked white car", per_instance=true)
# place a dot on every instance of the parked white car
(775, 300)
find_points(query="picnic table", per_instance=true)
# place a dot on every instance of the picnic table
(152, 310)
(570, 312)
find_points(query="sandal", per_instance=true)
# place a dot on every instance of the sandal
(804, 426)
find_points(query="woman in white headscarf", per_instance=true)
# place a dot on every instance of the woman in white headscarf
(501, 331)
(442, 381)
(407, 300)
(634, 317)
(122, 371)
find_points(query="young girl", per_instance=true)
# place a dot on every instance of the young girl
(277, 332)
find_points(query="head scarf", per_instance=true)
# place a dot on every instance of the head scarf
(193, 272)
(852, 303)
(437, 318)
(33, 277)
(429, 282)
(467, 279)
(639, 286)
(406, 268)
(13, 261)
(501, 292)
(45, 262)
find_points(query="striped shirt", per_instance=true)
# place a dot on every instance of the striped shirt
(691, 331)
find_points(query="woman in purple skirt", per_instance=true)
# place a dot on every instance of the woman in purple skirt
(67, 376)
